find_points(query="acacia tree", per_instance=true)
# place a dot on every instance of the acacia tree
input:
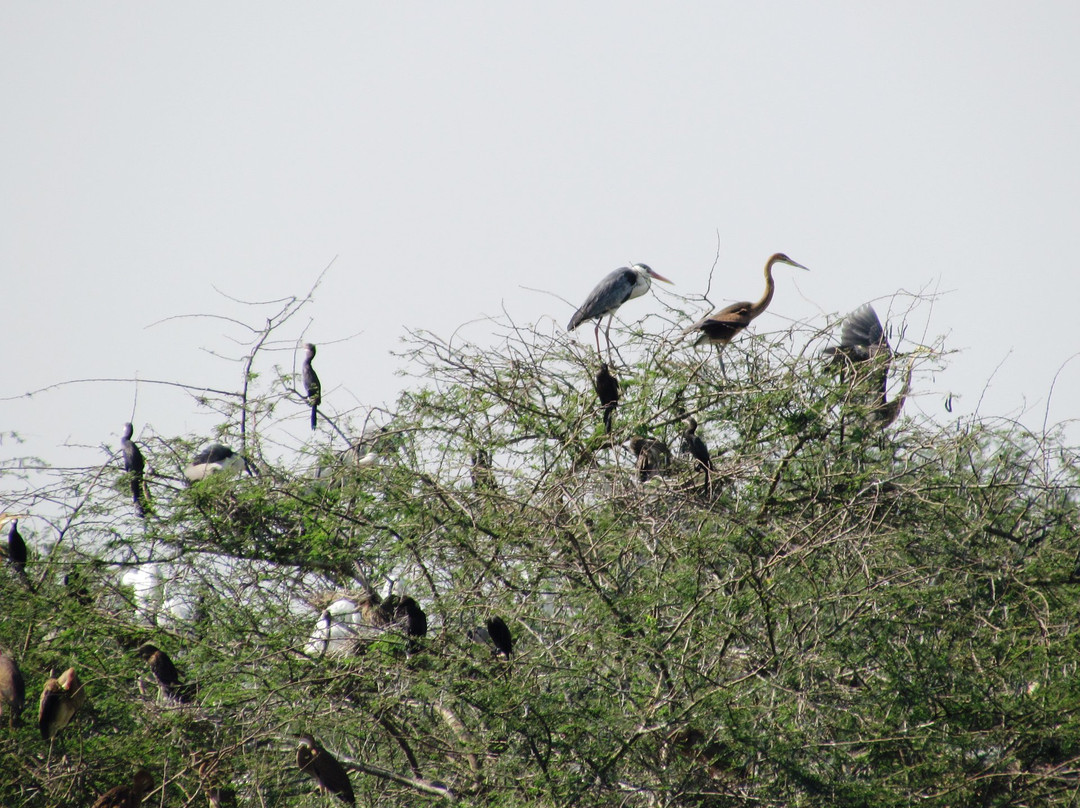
(847, 616)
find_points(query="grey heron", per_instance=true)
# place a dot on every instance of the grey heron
(134, 464)
(721, 327)
(607, 390)
(615, 289)
(862, 341)
(316, 762)
(311, 382)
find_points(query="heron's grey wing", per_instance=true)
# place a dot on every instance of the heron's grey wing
(609, 294)
(862, 329)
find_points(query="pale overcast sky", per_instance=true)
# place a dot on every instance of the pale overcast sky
(450, 154)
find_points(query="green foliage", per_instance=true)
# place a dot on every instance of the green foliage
(853, 615)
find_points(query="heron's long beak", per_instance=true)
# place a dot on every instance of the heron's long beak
(800, 266)
(657, 276)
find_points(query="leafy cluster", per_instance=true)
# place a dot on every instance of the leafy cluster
(850, 616)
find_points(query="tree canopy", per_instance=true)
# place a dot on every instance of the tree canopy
(850, 613)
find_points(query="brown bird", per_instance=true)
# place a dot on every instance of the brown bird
(653, 456)
(213, 773)
(720, 327)
(311, 382)
(60, 700)
(316, 762)
(12, 689)
(693, 445)
(134, 464)
(607, 389)
(127, 796)
(863, 342)
(166, 674)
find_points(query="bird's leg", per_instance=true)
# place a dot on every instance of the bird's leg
(609, 345)
(596, 333)
(720, 356)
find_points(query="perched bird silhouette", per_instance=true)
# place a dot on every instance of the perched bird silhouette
(127, 796)
(168, 678)
(722, 326)
(481, 473)
(16, 551)
(607, 389)
(618, 286)
(316, 762)
(311, 382)
(401, 612)
(500, 636)
(693, 445)
(60, 700)
(653, 456)
(12, 689)
(134, 464)
(863, 342)
(212, 458)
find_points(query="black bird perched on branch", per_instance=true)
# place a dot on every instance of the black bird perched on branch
(500, 636)
(653, 456)
(16, 551)
(316, 762)
(311, 382)
(168, 678)
(481, 472)
(213, 457)
(722, 326)
(12, 689)
(607, 389)
(127, 796)
(61, 698)
(402, 612)
(134, 464)
(615, 289)
(694, 446)
(862, 342)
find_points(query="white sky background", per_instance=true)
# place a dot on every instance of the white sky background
(451, 154)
